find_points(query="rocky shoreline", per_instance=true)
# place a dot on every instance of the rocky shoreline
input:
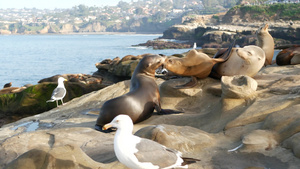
(262, 125)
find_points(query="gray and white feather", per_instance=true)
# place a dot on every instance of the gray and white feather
(59, 92)
(140, 153)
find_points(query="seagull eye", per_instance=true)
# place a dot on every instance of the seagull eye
(117, 121)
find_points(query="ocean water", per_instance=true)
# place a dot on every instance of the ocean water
(26, 59)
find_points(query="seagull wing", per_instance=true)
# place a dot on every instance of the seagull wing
(58, 93)
(155, 153)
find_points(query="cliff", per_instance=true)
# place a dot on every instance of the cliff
(241, 23)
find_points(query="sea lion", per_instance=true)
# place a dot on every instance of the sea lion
(242, 61)
(266, 42)
(7, 90)
(290, 55)
(195, 64)
(7, 85)
(143, 97)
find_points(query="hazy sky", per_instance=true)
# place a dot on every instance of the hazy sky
(51, 4)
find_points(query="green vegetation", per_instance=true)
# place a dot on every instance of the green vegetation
(274, 11)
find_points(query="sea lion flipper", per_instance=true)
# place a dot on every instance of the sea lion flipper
(168, 111)
(99, 128)
(225, 54)
(190, 84)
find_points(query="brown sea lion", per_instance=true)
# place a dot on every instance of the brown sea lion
(7, 85)
(266, 42)
(7, 90)
(143, 97)
(242, 61)
(195, 64)
(290, 55)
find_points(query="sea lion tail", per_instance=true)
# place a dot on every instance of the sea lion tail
(187, 161)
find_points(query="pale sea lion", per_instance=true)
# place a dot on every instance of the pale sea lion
(290, 55)
(143, 97)
(242, 61)
(195, 64)
(266, 42)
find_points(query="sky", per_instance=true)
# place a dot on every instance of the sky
(52, 4)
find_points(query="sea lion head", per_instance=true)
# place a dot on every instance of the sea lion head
(173, 64)
(150, 63)
(263, 29)
(250, 52)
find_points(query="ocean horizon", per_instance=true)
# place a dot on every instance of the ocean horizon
(26, 59)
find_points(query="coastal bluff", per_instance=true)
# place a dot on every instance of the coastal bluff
(264, 124)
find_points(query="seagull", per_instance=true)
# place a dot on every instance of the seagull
(59, 92)
(141, 153)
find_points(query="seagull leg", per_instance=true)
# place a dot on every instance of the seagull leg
(62, 102)
(56, 103)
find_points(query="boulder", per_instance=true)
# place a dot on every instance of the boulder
(293, 143)
(238, 87)
(184, 139)
(27, 101)
(260, 140)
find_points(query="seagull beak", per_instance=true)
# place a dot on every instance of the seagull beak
(107, 126)
(66, 80)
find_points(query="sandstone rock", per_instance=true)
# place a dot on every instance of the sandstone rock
(293, 143)
(184, 139)
(238, 87)
(258, 111)
(5, 32)
(68, 28)
(93, 27)
(44, 30)
(198, 132)
(260, 140)
(286, 122)
(66, 156)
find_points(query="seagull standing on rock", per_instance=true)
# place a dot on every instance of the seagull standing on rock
(59, 92)
(140, 153)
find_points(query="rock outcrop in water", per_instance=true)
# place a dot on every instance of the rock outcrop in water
(22, 102)
(260, 129)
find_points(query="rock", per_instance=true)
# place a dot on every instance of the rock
(268, 126)
(5, 32)
(184, 139)
(260, 140)
(238, 87)
(293, 143)
(93, 27)
(180, 32)
(44, 30)
(66, 156)
(286, 121)
(162, 44)
(17, 103)
(68, 28)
